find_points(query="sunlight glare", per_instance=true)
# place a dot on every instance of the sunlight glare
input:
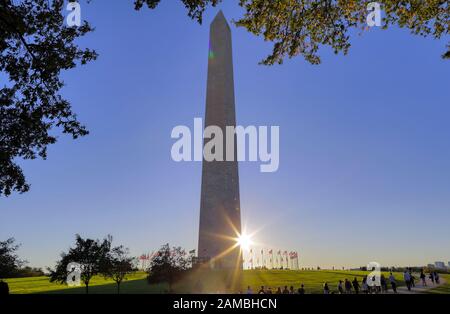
(244, 241)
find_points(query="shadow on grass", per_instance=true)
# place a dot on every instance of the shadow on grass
(138, 286)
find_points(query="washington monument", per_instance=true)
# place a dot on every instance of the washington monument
(220, 214)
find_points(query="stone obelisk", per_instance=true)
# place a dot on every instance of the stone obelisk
(220, 216)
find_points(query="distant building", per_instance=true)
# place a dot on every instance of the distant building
(439, 265)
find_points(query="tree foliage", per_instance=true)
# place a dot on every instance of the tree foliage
(35, 47)
(119, 265)
(195, 7)
(10, 263)
(168, 265)
(92, 255)
(301, 27)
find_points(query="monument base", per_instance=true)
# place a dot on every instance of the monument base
(204, 280)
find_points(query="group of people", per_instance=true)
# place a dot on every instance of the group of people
(285, 290)
(343, 287)
(367, 285)
(372, 285)
(410, 280)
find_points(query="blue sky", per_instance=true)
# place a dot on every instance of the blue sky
(364, 145)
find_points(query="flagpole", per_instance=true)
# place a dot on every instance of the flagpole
(273, 260)
(262, 258)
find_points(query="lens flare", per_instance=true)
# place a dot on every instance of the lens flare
(244, 241)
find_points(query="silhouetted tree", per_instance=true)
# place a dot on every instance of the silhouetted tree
(92, 255)
(119, 265)
(10, 262)
(168, 265)
(300, 27)
(35, 46)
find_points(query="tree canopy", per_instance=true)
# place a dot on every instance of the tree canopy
(118, 265)
(168, 265)
(35, 47)
(301, 27)
(91, 255)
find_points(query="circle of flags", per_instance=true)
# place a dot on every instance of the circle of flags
(271, 259)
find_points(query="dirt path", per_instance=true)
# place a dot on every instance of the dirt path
(419, 288)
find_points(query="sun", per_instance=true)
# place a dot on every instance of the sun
(244, 241)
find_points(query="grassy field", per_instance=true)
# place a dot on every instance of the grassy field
(313, 281)
(135, 283)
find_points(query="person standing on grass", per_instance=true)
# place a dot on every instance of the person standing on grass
(301, 290)
(413, 279)
(340, 287)
(365, 286)
(291, 290)
(4, 288)
(348, 286)
(393, 283)
(261, 291)
(432, 277)
(423, 278)
(278, 291)
(285, 290)
(355, 284)
(384, 286)
(407, 278)
(249, 290)
(326, 289)
(436, 277)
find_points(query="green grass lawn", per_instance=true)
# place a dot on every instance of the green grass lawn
(313, 280)
(136, 283)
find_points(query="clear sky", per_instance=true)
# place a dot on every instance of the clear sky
(364, 152)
